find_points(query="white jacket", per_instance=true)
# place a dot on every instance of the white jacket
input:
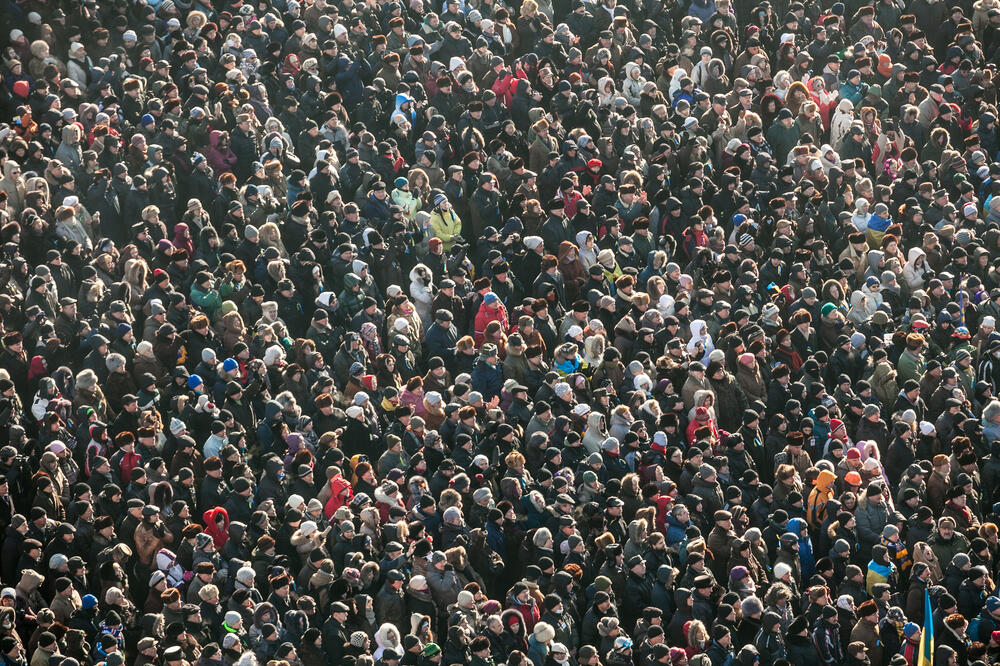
(422, 294)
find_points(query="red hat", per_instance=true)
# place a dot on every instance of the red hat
(920, 324)
(159, 274)
(594, 163)
(701, 413)
(835, 424)
(853, 454)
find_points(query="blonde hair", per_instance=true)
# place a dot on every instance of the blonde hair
(514, 459)
(269, 232)
(529, 8)
(697, 634)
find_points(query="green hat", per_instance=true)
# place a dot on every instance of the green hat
(430, 650)
(827, 309)
(602, 583)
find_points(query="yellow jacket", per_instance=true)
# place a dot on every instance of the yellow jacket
(446, 225)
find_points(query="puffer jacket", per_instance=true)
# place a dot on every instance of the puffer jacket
(872, 519)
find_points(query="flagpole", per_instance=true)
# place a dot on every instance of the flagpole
(925, 656)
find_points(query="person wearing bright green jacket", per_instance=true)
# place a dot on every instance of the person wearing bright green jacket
(204, 295)
(444, 222)
(911, 361)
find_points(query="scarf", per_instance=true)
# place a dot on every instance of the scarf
(899, 552)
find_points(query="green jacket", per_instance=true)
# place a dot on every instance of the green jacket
(209, 301)
(910, 366)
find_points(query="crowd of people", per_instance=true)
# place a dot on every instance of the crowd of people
(499, 332)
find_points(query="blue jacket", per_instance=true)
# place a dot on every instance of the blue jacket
(441, 341)
(806, 557)
(349, 80)
(676, 531)
(495, 538)
(487, 379)
(375, 210)
(851, 92)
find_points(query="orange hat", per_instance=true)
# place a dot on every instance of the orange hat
(885, 65)
(853, 478)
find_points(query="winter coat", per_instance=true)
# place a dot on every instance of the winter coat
(872, 519)
(446, 224)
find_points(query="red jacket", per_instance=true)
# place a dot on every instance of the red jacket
(528, 611)
(129, 461)
(487, 314)
(695, 424)
(337, 486)
(220, 535)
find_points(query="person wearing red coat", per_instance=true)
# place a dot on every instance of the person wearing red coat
(520, 599)
(702, 417)
(217, 526)
(491, 309)
(341, 493)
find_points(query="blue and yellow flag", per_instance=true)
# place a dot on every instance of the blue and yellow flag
(926, 655)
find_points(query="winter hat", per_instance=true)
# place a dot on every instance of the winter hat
(544, 633)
